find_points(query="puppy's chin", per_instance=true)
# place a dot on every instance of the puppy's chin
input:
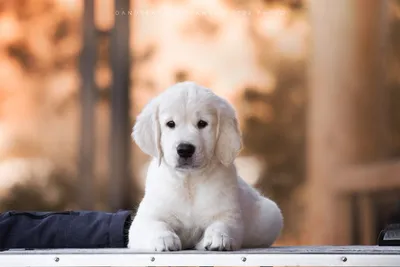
(184, 168)
(187, 165)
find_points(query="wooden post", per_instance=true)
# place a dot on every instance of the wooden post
(120, 195)
(88, 102)
(346, 120)
(367, 224)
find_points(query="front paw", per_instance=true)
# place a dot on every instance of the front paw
(166, 241)
(215, 239)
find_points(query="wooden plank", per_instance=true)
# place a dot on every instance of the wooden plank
(88, 102)
(346, 114)
(369, 178)
(306, 256)
(359, 249)
(120, 143)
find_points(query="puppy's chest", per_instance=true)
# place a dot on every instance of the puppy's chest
(196, 204)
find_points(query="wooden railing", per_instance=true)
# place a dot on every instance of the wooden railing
(348, 150)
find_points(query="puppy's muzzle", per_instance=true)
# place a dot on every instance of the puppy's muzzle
(185, 150)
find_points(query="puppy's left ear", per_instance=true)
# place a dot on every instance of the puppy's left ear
(229, 138)
(147, 132)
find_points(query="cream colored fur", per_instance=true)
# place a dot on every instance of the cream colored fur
(205, 205)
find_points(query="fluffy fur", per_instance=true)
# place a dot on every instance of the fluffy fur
(199, 202)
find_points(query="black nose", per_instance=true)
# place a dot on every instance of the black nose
(185, 150)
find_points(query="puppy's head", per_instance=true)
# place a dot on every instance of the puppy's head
(188, 127)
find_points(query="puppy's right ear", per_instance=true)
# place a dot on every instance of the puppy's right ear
(147, 132)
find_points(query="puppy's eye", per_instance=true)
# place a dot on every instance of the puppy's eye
(171, 124)
(202, 124)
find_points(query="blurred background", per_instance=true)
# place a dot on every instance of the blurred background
(316, 84)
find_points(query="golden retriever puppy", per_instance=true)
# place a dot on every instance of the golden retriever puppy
(194, 198)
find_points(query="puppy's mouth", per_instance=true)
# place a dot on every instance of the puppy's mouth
(186, 164)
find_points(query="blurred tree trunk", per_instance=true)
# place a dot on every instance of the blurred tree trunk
(88, 103)
(121, 188)
(347, 119)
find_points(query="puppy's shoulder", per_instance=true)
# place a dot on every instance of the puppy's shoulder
(158, 177)
(225, 173)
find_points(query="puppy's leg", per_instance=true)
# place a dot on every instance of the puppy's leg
(152, 235)
(222, 235)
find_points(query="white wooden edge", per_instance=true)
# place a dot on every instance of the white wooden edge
(185, 259)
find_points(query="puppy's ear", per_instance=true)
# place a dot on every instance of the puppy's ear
(229, 139)
(147, 132)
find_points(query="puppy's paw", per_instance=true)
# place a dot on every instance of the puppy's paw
(215, 239)
(166, 241)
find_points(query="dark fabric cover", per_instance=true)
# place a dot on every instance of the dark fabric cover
(67, 229)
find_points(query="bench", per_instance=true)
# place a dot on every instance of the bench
(275, 256)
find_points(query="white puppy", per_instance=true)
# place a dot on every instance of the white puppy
(194, 198)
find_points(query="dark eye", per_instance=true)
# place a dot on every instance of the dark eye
(171, 124)
(202, 124)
